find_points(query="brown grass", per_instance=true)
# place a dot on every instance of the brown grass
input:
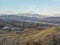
(50, 36)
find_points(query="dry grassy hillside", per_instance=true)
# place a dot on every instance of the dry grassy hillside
(50, 36)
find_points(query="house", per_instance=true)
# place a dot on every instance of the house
(5, 27)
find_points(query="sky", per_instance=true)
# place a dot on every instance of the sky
(30, 6)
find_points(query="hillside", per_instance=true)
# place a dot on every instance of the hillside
(50, 36)
(23, 17)
(29, 18)
(46, 37)
(52, 19)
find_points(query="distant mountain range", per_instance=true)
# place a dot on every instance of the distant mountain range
(29, 17)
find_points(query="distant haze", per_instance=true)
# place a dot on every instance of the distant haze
(44, 7)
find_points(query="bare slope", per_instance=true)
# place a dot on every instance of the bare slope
(46, 37)
(50, 36)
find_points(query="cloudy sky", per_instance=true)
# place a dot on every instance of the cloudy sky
(34, 6)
